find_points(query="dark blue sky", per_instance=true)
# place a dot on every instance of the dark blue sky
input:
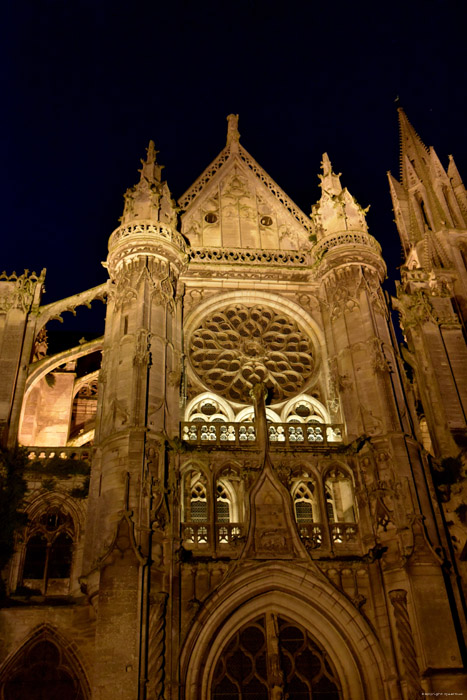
(88, 83)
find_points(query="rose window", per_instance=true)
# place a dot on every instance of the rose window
(239, 346)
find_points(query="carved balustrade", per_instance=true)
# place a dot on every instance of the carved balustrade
(199, 535)
(311, 534)
(237, 256)
(351, 238)
(145, 231)
(243, 435)
(45, 454)
(343, 533)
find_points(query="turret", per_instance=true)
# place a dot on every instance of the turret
(138, 410)
(351, 269)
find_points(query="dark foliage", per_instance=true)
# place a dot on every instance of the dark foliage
(12, 489)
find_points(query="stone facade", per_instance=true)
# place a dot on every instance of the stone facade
(257, 495)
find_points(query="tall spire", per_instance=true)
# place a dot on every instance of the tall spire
(428, 199)
(414, 154)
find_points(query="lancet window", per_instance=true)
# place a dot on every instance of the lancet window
(305, 505)
(223, 504)
(49, 552)
(211, 508)
(325, 508)
(340, 507)
(198, 502)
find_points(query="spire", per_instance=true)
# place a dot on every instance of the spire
(233, 135)
(428, 199)
(150, 198)
(414, 153)
(337, 211)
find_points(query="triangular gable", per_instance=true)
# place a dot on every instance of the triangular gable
(235, 204)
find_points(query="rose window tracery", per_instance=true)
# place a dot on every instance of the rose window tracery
(239, 346)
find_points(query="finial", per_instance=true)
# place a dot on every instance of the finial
(233, 135)
(330, 182)
(151, 153)
(151, 169)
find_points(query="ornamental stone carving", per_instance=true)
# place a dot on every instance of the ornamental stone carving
(239, 346)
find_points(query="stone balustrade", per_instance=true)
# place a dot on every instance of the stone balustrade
(243, 435)
(43, 454)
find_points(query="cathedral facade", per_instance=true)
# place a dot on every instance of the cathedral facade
(244, 489)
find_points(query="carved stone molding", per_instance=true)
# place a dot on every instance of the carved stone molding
(19, 291)
(398, 598)
(156, 653)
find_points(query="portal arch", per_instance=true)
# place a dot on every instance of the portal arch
(297, 594)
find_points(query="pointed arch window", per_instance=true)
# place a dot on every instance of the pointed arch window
(304, 502)
(340, 506)
(198, 503)
(223, 504)
(42, 672)
(273, 657)
(339, 497)
(49, 552)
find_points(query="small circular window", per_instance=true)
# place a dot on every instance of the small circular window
(210, 217)
(266, 221)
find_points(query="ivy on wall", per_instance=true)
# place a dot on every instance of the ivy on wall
(13, 463)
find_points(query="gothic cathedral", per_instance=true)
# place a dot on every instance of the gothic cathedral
(244, 490)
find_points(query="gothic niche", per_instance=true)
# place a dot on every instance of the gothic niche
(272, 657)
(239, 346)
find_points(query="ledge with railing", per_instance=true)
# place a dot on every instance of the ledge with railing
(243, 435)
(199, 535)
(44, 454)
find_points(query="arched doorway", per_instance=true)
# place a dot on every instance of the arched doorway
(272, 657)
(338, 643)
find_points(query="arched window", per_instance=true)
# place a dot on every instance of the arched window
(49, 552)
(274, 657)
(304, 502)
(340, 507)
(339, 497)
(307, 512)
(195, 509)
(198, 503)
(35, 558)
(42, 672)
(223, 505)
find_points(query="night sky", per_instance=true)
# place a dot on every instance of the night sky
(87, 84)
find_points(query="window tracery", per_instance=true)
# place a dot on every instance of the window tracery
(238, 346)
(223, 518)
(340, 506)
(49, 551)
(305, 506)
(42, 670)
(273, 657)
